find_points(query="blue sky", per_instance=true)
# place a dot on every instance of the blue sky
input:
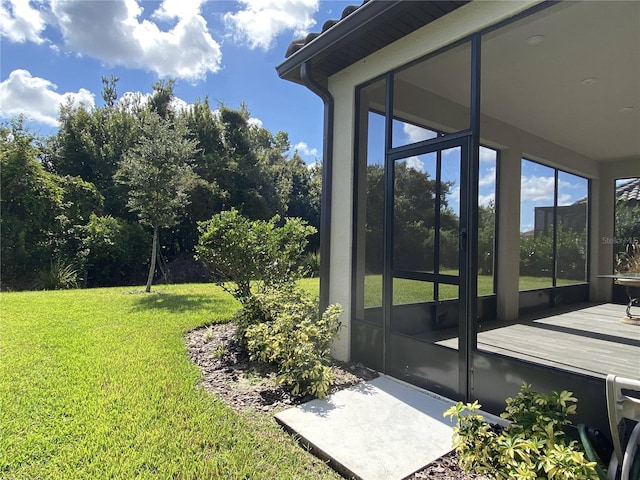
(52, 50)
(537, 190)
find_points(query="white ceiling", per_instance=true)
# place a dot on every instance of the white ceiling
(541, 87)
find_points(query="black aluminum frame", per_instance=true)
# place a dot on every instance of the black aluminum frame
(469, 209)
(474, 101)
(469, 142)
(496, 376)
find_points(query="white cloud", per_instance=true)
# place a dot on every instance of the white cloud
(487, 155)
(415, 163)
(178, 105)
(255, 122)
(565, 199)
(36, 98)
(111, 32)
(565, 194)
(417, 134)
(537, 189)
(21, 22)
(132, 100)
(304, 149)
(485, 200)
(170, 9)
(260, 21)
(488, 178)
(454, 197)
(541, 189)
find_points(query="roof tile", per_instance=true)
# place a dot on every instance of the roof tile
(629, 190)
(297, 44)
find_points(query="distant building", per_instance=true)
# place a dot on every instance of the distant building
(574, 217)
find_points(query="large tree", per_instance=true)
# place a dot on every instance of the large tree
(29, 203)
(159, 173)
(91, 141)
(414, 206)
(240, 164)
(41, 214)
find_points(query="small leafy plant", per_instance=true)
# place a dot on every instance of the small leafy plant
(311, 264)
(208, 334)
(292, 335)
(60, 275)
(219, 352)
(629, 260)
(532, 446)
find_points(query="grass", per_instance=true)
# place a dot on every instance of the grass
(97, 384)
(413, 291)
(531, 283)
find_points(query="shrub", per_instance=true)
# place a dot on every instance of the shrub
(60, 275)
(536, 255)
(286, 329)
(311, 264)
(112, 247)
(259, 262)
(627, 226)
(629, 260)
(532, 446)
(247, 252)
(30, 202)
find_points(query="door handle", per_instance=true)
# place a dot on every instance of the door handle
(463, 238)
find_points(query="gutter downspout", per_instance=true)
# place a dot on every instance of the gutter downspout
(327, 174)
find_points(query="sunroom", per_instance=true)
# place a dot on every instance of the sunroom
(473, 151)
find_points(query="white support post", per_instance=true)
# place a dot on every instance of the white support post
(508, 255)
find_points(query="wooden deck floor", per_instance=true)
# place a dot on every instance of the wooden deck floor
(588, 339)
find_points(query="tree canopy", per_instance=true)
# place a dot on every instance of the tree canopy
(159, 174)
(78, 195)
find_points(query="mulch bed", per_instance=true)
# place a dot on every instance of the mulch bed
(228, 373)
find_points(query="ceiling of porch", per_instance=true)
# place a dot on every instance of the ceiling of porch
(569, 74)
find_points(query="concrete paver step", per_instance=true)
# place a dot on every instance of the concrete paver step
(382, 429)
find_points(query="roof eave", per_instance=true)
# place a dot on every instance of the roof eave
(347, 28)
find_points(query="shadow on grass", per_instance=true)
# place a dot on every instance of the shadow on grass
(172, 302)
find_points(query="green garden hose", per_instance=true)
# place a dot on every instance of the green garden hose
(631, 454)
(591, 454)
(635, 468)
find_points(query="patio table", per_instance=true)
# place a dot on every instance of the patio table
(629, 281)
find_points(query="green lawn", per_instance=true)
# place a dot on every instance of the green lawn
(97, 384)
(413, 291)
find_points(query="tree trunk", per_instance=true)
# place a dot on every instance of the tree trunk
(154, 254)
